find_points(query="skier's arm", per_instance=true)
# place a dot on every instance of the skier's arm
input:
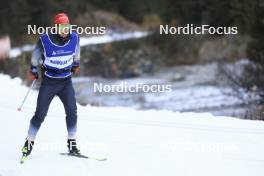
(77, 53)
(36, 60)
(76, 59)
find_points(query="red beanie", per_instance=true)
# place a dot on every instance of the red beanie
(61, 18)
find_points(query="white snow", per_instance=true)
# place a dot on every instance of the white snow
(84, 41)
(144, 143)
(17, 51)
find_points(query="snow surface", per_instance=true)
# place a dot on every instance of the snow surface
(84, 41)
(144, 143)
(17, 51)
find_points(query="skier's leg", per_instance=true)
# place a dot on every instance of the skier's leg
(67, 96)
(45, 96)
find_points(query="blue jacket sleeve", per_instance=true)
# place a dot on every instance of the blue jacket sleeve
(77, 56)
(36, 58)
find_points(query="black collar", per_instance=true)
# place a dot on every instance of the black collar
(57, 39)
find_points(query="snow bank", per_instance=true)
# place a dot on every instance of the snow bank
(84, 41)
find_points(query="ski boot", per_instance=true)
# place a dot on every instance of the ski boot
(26, 150)
(72, 147)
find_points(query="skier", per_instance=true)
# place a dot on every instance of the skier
(59, 57)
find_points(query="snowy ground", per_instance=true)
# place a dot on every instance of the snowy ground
(147, 143)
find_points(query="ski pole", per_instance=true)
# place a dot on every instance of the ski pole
(30, 88)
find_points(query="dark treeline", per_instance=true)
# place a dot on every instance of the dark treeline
(248, 15)
(15, 14)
